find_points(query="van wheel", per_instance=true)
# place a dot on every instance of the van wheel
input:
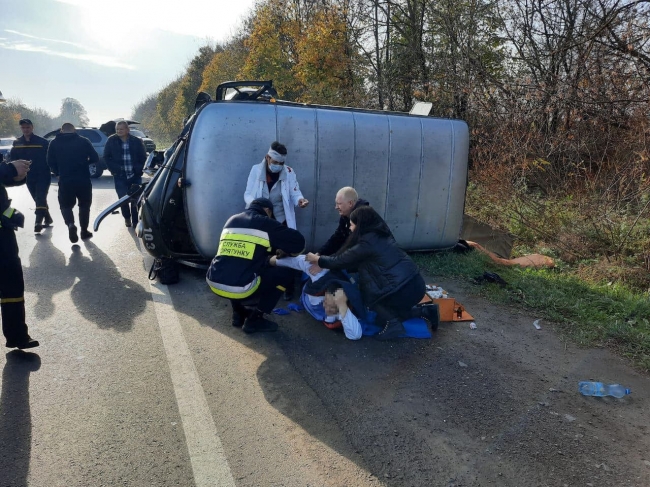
(95, 172)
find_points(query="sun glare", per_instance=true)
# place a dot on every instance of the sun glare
(117, 25)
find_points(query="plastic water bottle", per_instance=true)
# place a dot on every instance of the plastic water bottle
(600, 390)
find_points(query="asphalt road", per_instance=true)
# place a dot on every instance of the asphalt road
(137, 384)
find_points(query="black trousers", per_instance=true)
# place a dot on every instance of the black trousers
(39, 186)
(12, 288)
(72, 192)
(274, 282)
(398, 305)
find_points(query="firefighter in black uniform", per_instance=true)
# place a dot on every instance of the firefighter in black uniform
(12, 286)
(241, 272)
(69, 156)
(33, 148)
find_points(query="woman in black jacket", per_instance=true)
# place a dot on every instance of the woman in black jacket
(390, 282)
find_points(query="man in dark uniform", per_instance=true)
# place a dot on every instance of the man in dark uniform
(69, 156)
(241, 271)
(33, 148)
(12, 285)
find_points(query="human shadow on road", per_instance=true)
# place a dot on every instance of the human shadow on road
(15, 417)
(44, 274)
(101, 294)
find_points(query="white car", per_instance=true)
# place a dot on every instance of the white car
(6, 143)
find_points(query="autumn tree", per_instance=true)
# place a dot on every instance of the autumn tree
(72, 111)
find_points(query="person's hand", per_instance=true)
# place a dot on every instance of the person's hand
(312, 258)
(303, 202)
(273, 260)
(22, 168)
(314, 269)
(340, 298)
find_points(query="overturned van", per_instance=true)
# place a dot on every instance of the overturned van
(412, 169)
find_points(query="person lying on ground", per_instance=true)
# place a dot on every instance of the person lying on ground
(389, 280)
(330, 307)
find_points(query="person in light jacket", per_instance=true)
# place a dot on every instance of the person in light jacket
(274, 180)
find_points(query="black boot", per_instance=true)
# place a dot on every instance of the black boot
(239, 314)
(393, 329)
(84, 221)
(257, 323)
(48, 219)
(428, 312)
(27, 342)
(72, 233)
(38, 226)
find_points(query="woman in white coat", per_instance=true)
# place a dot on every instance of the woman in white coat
(276, 181)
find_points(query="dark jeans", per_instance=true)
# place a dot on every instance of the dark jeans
(12, 288)
(71, 192)
(38, 187)
(274, 282)
(398, 305)
(122, 186)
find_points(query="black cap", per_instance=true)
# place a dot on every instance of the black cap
(24, 121)
(262, 203)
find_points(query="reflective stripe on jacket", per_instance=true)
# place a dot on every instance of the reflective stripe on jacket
(247, 241)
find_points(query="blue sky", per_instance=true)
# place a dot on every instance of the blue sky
(108, 54)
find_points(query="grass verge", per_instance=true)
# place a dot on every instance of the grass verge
(592, 314)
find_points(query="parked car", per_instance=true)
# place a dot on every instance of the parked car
(6, 143)
(412, 169)
(149, 144)
(98, 137)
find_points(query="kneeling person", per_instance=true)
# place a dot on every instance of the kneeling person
(241, 272)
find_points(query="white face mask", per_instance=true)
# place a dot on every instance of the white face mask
(275, 167)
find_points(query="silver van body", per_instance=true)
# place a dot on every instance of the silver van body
(412, 169)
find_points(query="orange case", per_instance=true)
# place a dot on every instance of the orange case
(449, 309)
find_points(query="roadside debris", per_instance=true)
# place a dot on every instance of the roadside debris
(472, 326)
(598, 389)
(490, 277)
(536, 325)
(462, 364)
(281, 311)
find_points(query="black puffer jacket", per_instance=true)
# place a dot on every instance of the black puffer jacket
(70, 155)
(383, 267)
(342, 232)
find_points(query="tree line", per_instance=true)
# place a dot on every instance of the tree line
(555, 94)
(14, 110)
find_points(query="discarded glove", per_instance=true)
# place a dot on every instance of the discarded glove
(490, 277)
(281, 311)
(296, 307)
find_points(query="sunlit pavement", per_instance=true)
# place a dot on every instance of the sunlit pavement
(123, 388)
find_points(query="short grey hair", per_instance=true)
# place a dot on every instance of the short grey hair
(122, 122)
(349, 193)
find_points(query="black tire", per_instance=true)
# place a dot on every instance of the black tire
(95, 171)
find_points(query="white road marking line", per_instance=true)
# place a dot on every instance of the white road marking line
(209, 462)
